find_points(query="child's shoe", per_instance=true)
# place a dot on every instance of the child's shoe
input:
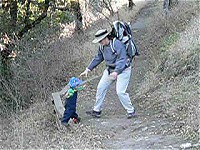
(76, 120)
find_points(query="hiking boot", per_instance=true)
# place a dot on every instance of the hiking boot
(76, 120)
(93, 113)
(131, 115)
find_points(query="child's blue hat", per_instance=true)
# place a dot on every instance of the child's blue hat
(74, 82)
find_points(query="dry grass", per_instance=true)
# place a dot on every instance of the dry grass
(31, 130)
(42, 66)
(170, 88)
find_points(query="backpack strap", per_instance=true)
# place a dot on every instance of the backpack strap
(101, 48)
(112, 46)
(127, 28)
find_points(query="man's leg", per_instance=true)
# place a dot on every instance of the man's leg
(102, 88)
(121, 86)
(166, 4)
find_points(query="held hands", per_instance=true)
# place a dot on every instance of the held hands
(85, 72)
(113, 75)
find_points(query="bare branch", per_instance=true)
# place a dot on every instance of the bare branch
(37, 21)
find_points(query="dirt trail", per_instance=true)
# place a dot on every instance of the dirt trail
(145, 131)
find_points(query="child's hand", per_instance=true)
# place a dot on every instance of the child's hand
(69, 93)
(79, 88)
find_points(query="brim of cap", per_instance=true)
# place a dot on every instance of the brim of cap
(98, 39)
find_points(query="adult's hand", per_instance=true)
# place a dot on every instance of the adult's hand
(114, 75)
(85, 72)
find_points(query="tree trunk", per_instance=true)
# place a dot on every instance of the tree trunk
(13, 12)
(109, 6)
(26, 20)
(168, 4)
(5, 52)
(130, 4)
(76, 9)
(37, 21)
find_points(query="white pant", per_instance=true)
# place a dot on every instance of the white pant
(121, 86)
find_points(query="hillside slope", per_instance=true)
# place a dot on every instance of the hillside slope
(163, 90)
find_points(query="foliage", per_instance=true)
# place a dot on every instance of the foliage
(33, 26)
(29, 12)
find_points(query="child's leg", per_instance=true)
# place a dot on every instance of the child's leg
(74, 115)
(70, 108)
(67, 115)
(75, 118)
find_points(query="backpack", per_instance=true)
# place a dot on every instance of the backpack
(122, 31)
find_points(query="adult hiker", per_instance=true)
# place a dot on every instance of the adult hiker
(167, 4)
(118, 69)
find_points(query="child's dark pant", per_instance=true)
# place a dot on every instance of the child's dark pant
(70, 108)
